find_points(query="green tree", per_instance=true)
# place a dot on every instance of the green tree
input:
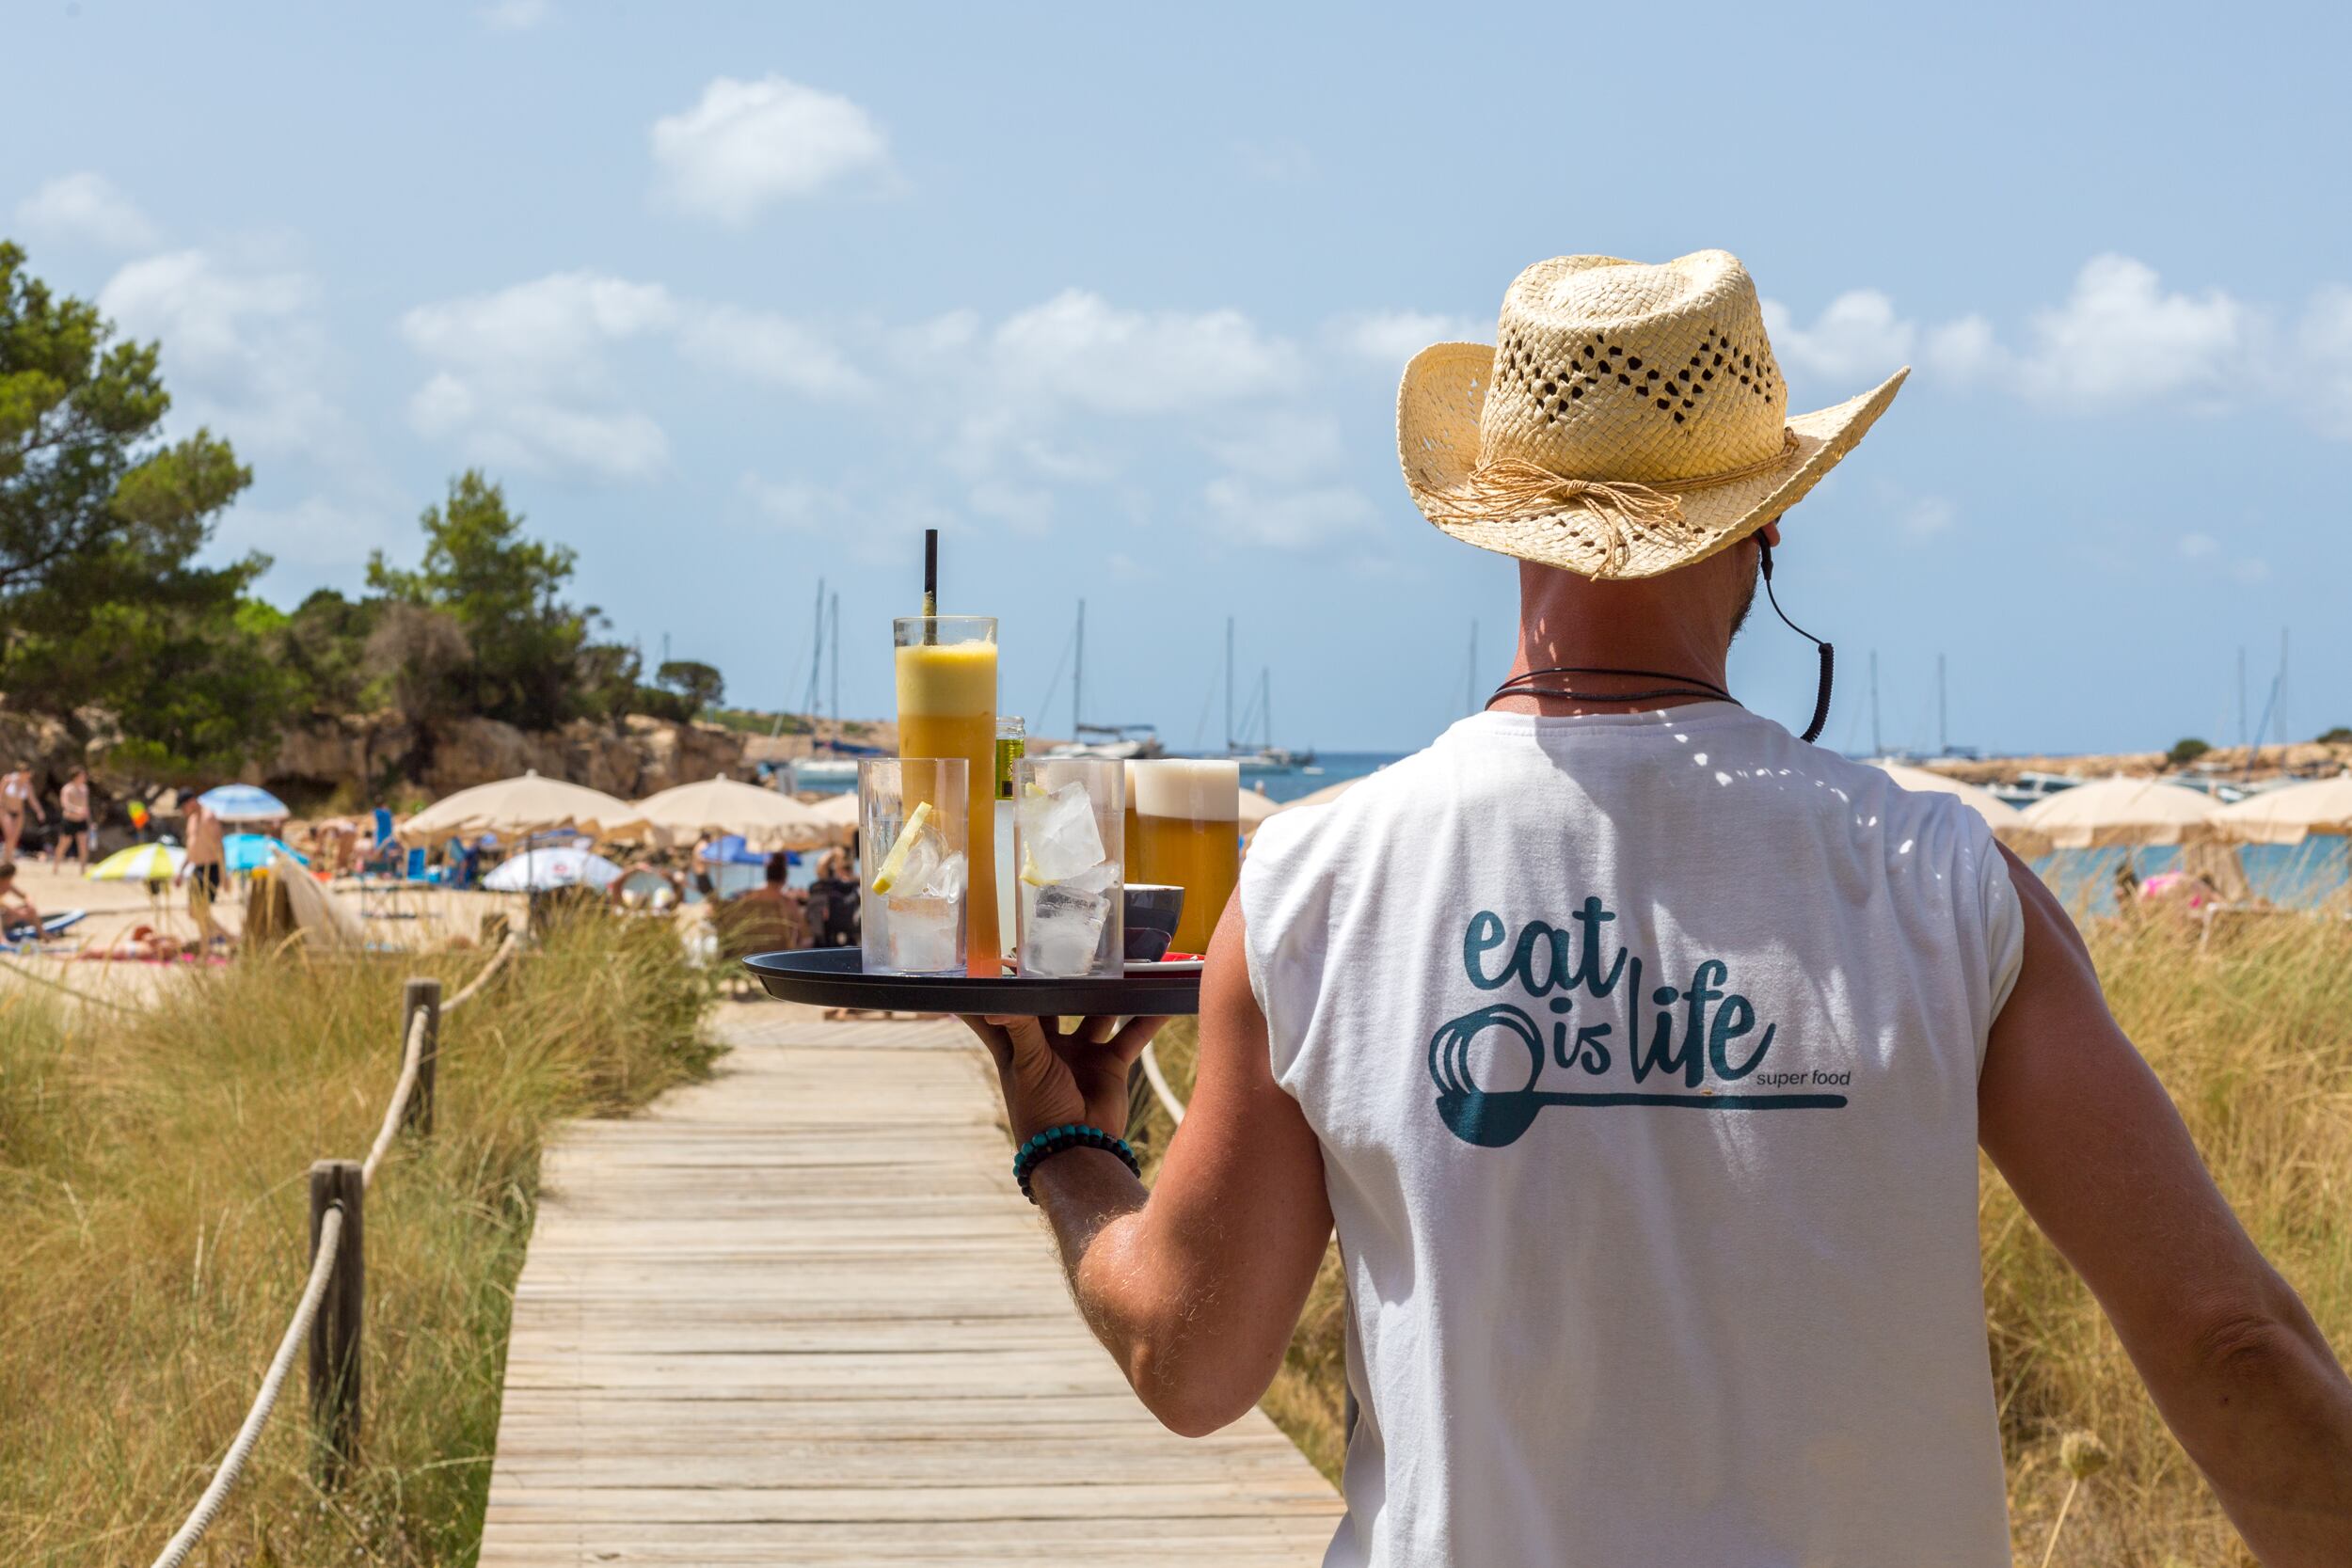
(2340, 735)
(2186, 750)
(504, 592)
(101, 603)
(699, 684)
(415, 657)
(323, 645)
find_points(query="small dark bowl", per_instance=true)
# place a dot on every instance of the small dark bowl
(1153, 911)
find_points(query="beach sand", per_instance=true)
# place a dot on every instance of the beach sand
(113, 910)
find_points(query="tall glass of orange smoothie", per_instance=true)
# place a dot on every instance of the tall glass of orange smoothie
(946, 676)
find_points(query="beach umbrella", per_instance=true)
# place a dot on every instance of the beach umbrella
(1255, 808)
(2290, 813)
(838, 812)
(2008, 823)
(141, 862)
(539, 870)
(523, 805)
(243, 803)
(764, 819)
(252, 851)
(2121, 811)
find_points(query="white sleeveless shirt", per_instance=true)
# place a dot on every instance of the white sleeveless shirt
(1643, 1050)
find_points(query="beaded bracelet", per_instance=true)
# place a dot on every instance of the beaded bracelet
(1069, 1135)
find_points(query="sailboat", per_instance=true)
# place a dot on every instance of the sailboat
(1111, 742)
(1265, 757)
(832, 762)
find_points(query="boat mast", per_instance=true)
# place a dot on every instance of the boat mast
(1469, 677)
(1229, 686)
(1265, 703)
(1943, 746)
(1876, 749)
(1078, 672)
(815, 668)
(836, 670)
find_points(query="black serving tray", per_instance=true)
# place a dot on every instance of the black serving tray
(836, 977)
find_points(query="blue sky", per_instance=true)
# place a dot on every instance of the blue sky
(730, 297)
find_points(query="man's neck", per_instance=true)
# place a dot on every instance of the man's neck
(1651, 635)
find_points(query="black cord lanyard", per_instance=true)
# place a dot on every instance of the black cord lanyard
(1684, 685)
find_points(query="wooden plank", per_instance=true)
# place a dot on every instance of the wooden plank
(798, 1315)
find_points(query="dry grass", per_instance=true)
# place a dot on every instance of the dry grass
(153, 1189)
(2253, 1040)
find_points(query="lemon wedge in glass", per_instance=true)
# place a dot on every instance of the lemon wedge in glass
(895, 863)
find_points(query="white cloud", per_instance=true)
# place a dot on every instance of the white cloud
(1857, 341)
(1026, 509)
(747, 145)
(85, 208)
(1387, 339)
(2322, 349)
(2206, 548)
(243, 348)
(1928, 516)
(793, 503)
(515, 16)
(323, 533)
(2120, 338)
(767, 347)
(1285, 519)
(1963, 350)
(527, 375)
(1080, 350)
(1277, 163)
(1281, 445)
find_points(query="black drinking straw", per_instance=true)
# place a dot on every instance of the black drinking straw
(930, 585)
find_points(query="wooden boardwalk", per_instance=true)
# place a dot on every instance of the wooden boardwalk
(799, 1314)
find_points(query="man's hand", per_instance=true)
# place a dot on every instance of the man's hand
(1051, 1077)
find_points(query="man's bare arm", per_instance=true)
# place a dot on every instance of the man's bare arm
(1196, 1285)
(2092, 1146)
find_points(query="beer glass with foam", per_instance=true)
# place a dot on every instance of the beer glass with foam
(1187, 814)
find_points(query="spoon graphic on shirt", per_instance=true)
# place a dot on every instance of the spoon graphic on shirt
(1493, 1118)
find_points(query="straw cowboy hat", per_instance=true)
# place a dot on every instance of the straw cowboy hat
(1630, 419)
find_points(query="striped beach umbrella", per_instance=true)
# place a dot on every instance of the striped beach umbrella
(141, 862)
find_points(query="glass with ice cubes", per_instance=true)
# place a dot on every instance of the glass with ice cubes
(1069, 841)
(912, 818)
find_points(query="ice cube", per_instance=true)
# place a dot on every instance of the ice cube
(921, 932)
(1059, 837)
(1094, 879)
(1064, 933)
(946, 880)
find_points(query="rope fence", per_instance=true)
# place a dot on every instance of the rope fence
(411, 1057)
(329, 1314)
(321, 1273)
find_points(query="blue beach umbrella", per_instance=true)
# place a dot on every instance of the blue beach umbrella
(254, 851)
(243, 802)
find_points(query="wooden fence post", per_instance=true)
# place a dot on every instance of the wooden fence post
(422, 996)
(335, 1332)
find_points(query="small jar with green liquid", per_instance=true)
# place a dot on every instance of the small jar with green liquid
(1012, 744)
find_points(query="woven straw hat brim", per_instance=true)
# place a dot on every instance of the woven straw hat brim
(1438, 405)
